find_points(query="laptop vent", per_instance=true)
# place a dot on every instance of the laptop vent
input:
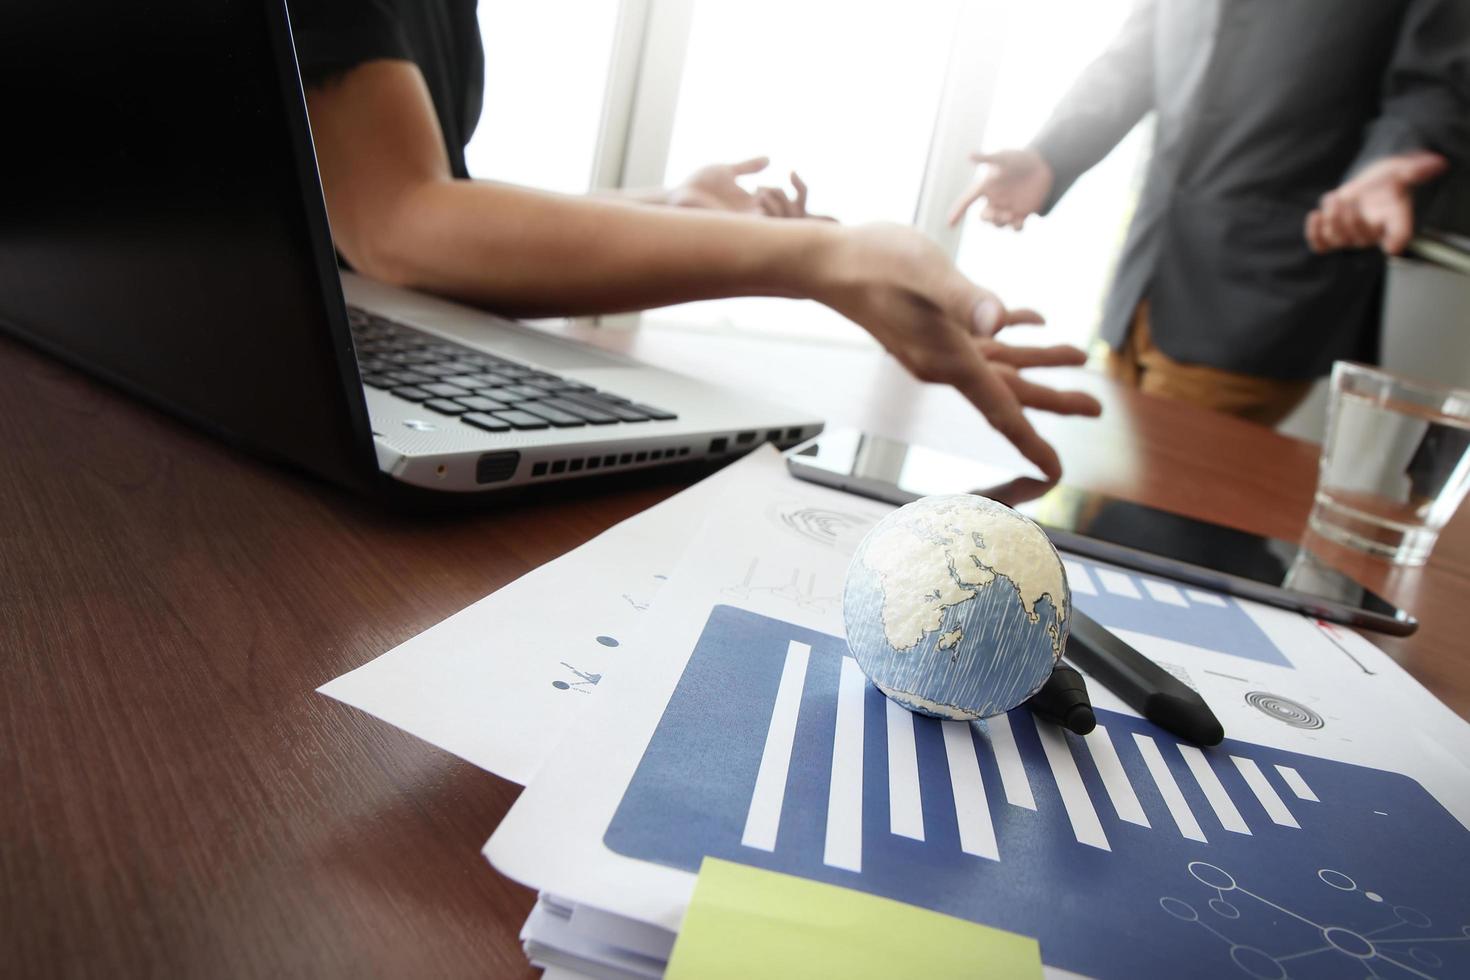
(612, 461)
(609, 462)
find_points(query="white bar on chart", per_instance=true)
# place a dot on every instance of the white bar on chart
(1118, 584)
(1168, 789)
(1012, 771)
(1214, 790)
(1114, 779)
(764, 817)
(1078, 579)
(1085, 825)
(1271, 801)
(845, 796)
(971, 809)
(905, 805)
(1205, 598)
(1297, 783)
(1164, 592)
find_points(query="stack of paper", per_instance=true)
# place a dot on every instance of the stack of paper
(1328, 832)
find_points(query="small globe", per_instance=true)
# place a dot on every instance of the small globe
(957, 606)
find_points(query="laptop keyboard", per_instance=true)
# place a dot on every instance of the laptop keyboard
(489, 392)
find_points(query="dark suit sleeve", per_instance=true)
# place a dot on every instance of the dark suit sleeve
(332, 36)
(1426, 88)
(1107, 100)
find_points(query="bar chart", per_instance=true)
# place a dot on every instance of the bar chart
(1124, 852)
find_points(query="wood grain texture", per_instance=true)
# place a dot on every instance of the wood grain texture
(180, 803)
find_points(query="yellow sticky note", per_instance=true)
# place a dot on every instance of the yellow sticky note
(746, 922)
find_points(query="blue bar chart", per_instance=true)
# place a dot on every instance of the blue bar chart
(1124, 853)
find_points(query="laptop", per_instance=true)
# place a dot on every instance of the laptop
(162, 227)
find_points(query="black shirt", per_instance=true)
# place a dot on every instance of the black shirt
(441, 37)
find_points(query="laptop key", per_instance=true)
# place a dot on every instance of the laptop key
(495, 379)
(558, 418)
(444, 389)
(410, 377)
(480, 403)
(618, 410)
(446, 406)
(519, 393)
(587, 414)
(412, 393)
(487, 422)
(520, 420)
(556, 385)
(657, 414)
(378, 381)
(466, 381)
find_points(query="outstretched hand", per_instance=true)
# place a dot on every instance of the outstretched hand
(1014, 184)
(717, 187)
(1374, 208)
(901, 287)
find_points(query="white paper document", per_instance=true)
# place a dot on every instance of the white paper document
(1332, 823)
(496, 683)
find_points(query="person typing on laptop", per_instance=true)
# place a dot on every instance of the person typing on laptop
(393, 92)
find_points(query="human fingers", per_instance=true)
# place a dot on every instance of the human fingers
(1313, 231)
(1345, 219)
(983, 387)
(1353, 229)
(1330, 230)
(800, 185)
(1021, 315)
(752, 166)
(1416, 168)
(773, 202)
(1398, 227)
(1047, 399)
(1020, 356)
(963, 202)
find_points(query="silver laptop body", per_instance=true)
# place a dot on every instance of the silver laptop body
(556, 409)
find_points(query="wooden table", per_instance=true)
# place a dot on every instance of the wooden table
(179, 802)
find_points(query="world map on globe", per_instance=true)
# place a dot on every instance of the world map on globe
(957, 606)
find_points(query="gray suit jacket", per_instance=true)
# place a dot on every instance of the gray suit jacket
(1262, 107)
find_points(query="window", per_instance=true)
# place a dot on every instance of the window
(1061, 264)
(546, 67)
(872, 101)
(844, 93)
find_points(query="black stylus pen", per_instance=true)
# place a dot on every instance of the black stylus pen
(1142, 684)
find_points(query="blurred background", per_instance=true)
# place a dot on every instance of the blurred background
(875, 104)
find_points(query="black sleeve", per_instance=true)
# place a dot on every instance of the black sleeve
(333, 36)
(1426, 90)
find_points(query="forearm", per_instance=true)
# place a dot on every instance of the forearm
(531, 253)
(635, 195)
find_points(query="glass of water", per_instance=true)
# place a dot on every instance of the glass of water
(1394, 464)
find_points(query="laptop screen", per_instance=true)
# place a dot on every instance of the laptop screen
(161, 220)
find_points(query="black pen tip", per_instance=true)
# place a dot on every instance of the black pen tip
(1080, 719)
(1191, 720)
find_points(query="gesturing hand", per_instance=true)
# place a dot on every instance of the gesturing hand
(903, 289)
(717, 187)
(1374, 208)
(1015, 184)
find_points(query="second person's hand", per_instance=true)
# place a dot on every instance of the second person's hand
(1014, 184)
(901, 287)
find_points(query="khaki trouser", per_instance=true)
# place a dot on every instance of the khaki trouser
(1143, 366)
